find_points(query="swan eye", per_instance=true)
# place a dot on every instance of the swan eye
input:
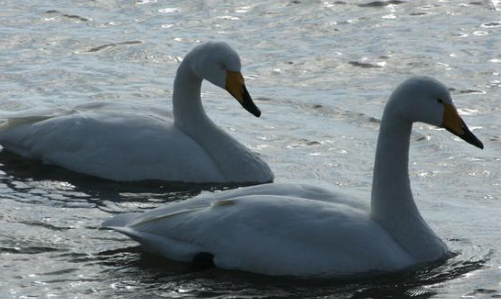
(440, 101)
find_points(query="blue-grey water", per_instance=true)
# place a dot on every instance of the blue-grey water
(320, 71)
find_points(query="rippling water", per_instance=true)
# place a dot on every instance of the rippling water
(319, 70)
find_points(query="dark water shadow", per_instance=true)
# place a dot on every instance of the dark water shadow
(153, 272)
(35, 174)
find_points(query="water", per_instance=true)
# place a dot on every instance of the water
(320, 71)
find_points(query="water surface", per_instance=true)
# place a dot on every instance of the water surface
(320, 71)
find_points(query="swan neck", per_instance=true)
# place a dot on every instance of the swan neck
(391, 166)
(392, 203)
(187, 105)
(232, 159)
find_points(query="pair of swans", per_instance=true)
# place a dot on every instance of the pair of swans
(297, 230)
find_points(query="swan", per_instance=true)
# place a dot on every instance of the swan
(310, 231)
(124, 142)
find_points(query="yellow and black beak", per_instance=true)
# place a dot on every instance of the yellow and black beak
(236, 87)
(453, 123)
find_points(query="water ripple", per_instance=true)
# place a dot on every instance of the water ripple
(71, 17)
(366, 65)
(322, 72)
(29, 250)
(113, 45)
(381, 3)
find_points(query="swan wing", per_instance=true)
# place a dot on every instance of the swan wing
(101, 139)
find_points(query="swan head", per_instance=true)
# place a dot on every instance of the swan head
(219, 64)
(424, 99)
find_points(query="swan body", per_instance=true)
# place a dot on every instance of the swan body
(271, 229)
(132, 142)
(308, 231)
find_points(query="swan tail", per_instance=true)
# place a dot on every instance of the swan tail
(119, 221)
(18, 130)
(15, 122)
(16, 133)
(172, 249)
(16, 119)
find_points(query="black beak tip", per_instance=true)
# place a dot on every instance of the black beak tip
(471, 138)
(252, 108)
(475, 142)
(468, 136)
(249, 105)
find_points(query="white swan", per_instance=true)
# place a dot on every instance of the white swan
(130, 143)
(300, 230)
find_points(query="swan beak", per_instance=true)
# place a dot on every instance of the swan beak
(235, 85)
(453, 123)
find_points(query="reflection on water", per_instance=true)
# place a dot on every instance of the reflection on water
(58, 184)
(30, 176)
(321, 73)
(418, 283)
